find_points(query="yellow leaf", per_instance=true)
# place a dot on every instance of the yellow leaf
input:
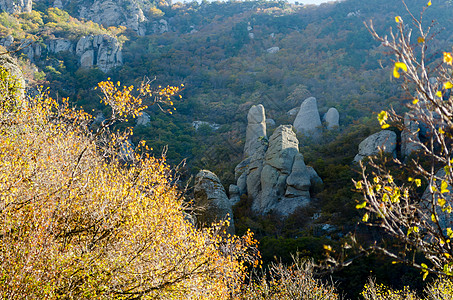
(429, 3)
(420, 40)
(385, 126)
(365, 217)
(439, 94)
(360, 206)
(448, 58)
(448, 85)
(418, 182)
(398, 19)
(382, 117)
(415, 101)
(397, 67)
(327, 247)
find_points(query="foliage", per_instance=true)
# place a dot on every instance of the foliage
(441, 288)
(78, 222)
(290, 282)
(394, 197)
(374, 291)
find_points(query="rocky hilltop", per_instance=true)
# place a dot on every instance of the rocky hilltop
(128, 13)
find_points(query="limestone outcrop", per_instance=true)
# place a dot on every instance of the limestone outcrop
(384, 140)
(16, 6)
(307, 121)
(332, 118)
(210, 196)
(274, 175)
(256, 129)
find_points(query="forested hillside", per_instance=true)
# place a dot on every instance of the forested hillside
(225, 57)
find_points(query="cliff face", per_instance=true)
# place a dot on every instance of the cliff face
(102, 51)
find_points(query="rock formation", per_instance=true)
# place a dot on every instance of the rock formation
(143, 119)
(384, 140)
(256, 129)
(211, 197)
(11, 65)
(307, 121)
(410, 136)
(16, 6)
(332, 118)
(274, 175)
(128, 13)
(99, 50)
(60, 45)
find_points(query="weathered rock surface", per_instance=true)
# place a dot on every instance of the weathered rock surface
(11, 65)
(60, 45)
(256, 129)
(210, 195)
(7, 41)
(16, 6)
(128, 13)
(445, 219)
(384, 140)
(143, 119)
(410, 136)
(332, 118)
(307, 121)
(273, 50)
(99, 50)
(293, 112)
(276, 177)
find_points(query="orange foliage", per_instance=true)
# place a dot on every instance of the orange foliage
(76, 223)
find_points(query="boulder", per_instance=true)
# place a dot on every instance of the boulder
(241, 168)
(445, 218)
(234, 193)
(278, 163)
(307, 121)
(211, 197)
(384, 140)
(143, 119)
(161, 26)
(410, 141)
(293, 112)
(316, 183)
(253, 175)
(270, 122)
(256, 129)
(283, 146)
(273, 50)
(332, 118)
(298, 182)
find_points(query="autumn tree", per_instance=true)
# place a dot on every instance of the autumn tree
(78, 222)
(412, 200)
